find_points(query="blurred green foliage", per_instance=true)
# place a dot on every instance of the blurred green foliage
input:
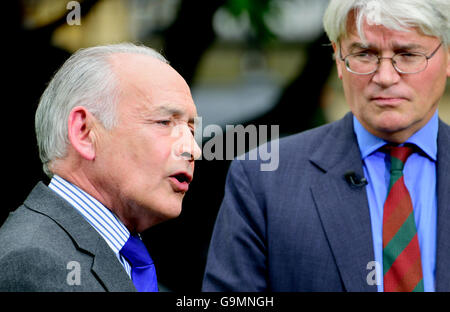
(257, 12)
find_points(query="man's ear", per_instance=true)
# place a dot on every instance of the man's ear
(336, 58)
(448, 61)
(80, 132)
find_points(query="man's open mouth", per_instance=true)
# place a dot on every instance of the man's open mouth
(180, 181)
(182, 177)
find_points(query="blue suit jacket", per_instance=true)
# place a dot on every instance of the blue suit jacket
(302, 227)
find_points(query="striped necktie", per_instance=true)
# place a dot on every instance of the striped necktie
(143, 273)
(402, 266)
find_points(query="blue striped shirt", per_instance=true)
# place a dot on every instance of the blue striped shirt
(96, 214)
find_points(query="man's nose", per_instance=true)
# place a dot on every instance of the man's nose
(386, 74)
(186, 146)
(191, 151)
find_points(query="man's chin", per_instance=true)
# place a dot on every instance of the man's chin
(171, 211)
(395, 133)
(391, 123)
(162, 213)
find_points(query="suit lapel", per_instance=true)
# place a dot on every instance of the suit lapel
(443, 216)
(111, 273)
(344, 209)
(106, 266)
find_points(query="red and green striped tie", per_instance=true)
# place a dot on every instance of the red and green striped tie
(402, 266)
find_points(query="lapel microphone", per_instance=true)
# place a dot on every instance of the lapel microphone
(354, 181)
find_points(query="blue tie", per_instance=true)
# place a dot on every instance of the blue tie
(143, 272)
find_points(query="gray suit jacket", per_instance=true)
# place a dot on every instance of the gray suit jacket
(302, 227)
(46, 245)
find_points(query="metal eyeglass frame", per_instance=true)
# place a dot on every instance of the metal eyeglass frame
(344, 59)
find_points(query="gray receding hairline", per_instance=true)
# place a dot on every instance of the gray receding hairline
(431, 17)
(86, 79)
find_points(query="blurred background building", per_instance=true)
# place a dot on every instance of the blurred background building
(247, 62)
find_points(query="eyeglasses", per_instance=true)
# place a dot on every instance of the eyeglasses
(366, 63)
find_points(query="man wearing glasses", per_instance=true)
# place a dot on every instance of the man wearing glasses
(361, 204)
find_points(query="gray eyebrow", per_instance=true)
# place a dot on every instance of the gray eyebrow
(360, 45)
(172, 111)
(168, 110)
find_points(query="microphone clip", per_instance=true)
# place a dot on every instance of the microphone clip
(354, 181)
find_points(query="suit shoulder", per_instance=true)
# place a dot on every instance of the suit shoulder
(32, 268)
(29, 260)
(444, 126)
(35, 253)
(307, 139)
(280, 159)
(294, 148)
(25, 228)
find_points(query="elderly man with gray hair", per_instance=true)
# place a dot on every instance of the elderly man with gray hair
(361, 204)
(115, 134)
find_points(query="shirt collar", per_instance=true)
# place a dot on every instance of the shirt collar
(425, 138)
